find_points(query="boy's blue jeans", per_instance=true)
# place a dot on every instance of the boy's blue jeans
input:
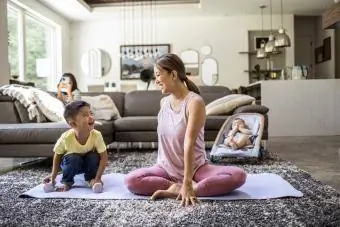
(73, 164)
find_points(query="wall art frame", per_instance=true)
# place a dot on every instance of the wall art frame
(136, 58)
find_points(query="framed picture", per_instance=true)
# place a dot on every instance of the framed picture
(327, 49)
(258, 40)
(319, 54)
(135, 58)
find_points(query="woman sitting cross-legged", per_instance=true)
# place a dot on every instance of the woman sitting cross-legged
(182, 170)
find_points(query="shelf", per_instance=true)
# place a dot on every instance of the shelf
(248, 52)
(263, 71)
(255, 52)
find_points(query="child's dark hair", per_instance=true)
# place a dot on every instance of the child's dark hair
(72, 78)
(72, 109)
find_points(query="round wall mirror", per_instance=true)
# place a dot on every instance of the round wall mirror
(209, 71)
(96, 63)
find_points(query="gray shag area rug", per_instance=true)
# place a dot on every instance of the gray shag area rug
(320, 205)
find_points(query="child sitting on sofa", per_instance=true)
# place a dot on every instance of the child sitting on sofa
(68, 89)
(239, 136)
(81, 149)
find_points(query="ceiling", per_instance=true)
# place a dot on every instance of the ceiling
(84, 10)
(97, 3)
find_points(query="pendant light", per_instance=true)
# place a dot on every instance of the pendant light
(270, 45)
(260, 52)
(282, 39)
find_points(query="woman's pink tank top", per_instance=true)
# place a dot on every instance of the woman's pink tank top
(171, 132)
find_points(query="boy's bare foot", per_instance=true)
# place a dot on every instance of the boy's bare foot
(48, 187)
(63, 188)
(97, 187)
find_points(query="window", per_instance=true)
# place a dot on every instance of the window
(32, 47)
(13, 49)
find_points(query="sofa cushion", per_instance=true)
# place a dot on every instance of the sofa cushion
(35, 133)
(140, 123)
(252, 109)
(5, 98)
(215, 122)
(8, 113)
(149, 123)
(105, 127)
(211, 93)
(227, 104)
(142, 103)
(31, 132)
(136, 136)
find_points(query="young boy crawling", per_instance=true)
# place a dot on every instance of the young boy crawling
(239, 136)
(81, 149)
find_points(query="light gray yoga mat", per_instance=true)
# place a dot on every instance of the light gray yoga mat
(257, 186)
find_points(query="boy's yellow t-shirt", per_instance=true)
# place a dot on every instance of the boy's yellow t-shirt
(68, 144)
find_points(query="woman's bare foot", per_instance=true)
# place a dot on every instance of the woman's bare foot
(171, 192)
(63, 188)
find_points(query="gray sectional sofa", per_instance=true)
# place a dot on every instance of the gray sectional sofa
(20, 137)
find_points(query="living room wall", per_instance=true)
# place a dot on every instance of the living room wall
(326, 69)
(227, 35)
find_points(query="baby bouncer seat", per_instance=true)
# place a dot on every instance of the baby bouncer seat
(255, 123)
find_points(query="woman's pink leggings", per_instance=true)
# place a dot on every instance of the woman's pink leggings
(212, 180)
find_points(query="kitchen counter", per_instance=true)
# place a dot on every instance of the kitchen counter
(301, 107)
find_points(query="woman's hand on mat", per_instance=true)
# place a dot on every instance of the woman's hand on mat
(188, 195)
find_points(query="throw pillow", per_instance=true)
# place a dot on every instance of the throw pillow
(228, 104)
(50, 106)
(252, 109)
(102, 106)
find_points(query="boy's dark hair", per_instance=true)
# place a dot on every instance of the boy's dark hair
(72, 109)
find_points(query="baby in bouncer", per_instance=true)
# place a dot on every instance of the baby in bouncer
(239, 136)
